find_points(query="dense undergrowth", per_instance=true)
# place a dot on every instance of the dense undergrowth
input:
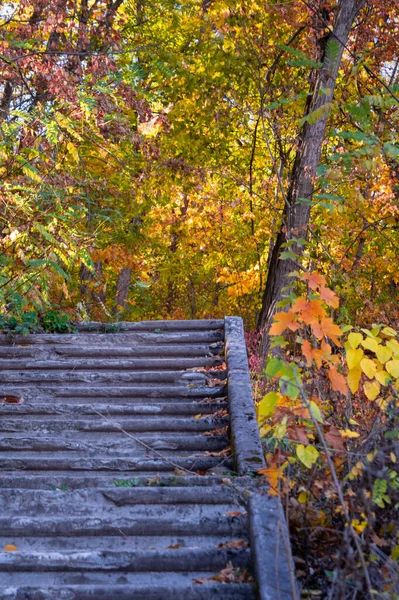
(328, 410)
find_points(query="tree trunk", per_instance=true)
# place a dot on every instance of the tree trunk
(123, 287)
(300, 191)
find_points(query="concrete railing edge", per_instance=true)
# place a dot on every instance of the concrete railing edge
(269, 538)
(247, 446)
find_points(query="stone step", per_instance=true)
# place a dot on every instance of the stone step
(150, 587)
(89, 351)
(125, 525)
(114, 464)
(35, 407)
(139, 392)
(102, 506)
(175, 560)
(101, 364)
(109, 339)
(60, 423)
(19, 443)
(121, 543)
(69, 480)
(193, 496)
(165, 350)
(103, 377)
(159, 326)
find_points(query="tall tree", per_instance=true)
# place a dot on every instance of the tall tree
(301, 185)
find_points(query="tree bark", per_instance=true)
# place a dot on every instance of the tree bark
(123, 287)
(311, 137)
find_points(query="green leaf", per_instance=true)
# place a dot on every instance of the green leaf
(288, 254)
(274, 365)
(316, 412)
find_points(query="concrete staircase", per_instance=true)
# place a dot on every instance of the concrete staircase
(127, 463)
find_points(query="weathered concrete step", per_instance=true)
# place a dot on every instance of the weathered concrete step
(184, 351)
(10, 499)
(150, 589)
(177, 560)
(166, 350)
(120, 543)
(104, 377)
(139, 364)
(59, 423)
(108, 339)
(137, 392)
(36, 407)
(75, 526)
(103, 508)
(158, 326)
(113, 464)
(108, 444)
(67, 480)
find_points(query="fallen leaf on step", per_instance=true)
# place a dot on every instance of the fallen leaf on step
(234, 544)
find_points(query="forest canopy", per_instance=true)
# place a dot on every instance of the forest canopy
(147, 150)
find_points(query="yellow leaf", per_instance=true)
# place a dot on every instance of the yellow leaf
(355, 339)
(348, 433)
(393, 457)
(394, 345)
(10, 548)
(389, 332)
(392, 367)
(359, 526)
(372, 389)
(281, 429)
(267, 405)
(370, 344)
(307, 455)
(354, 379)
(384, 353)
(303, 497)
(73, 151)
(368, 367)
(383, 377)
(353, 357)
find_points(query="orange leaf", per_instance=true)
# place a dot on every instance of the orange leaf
(307, 351)
(299, 305)
(312, 312)
(338, 382)
(314, 280)
(318, 356)
(331, 330)
(325, 347)
(282, 321)
(10, 548)
(329, 297)
(272, 475)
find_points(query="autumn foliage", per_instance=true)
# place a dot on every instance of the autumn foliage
(149, 160)
(329, 426)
